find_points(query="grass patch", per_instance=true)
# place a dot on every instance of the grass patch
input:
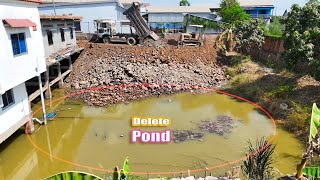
(280, 91)
(298, 117)
(271, 90)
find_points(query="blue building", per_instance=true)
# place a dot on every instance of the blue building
(256, 8)
(90, 10)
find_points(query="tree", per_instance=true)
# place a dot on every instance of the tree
(184, 3)
(302, 36)
(249, 35)
(231, 12)
(274, 29)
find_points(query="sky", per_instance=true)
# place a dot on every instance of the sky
(280, 5)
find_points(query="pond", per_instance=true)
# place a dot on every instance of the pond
(100, 138)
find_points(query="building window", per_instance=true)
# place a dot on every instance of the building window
(263, 11)
(18, 43)
(77, 25)
(7, 99)
(71, 33)
(50, 37)
(62, 35)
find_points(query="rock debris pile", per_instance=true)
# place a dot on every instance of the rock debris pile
(110, 64)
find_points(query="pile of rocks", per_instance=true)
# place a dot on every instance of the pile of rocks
(124, 94)
(108, 64)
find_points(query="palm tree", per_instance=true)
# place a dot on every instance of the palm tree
(184, 3)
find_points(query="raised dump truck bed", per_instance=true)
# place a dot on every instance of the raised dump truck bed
(138, 23)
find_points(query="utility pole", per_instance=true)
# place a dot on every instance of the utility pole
(54, 7)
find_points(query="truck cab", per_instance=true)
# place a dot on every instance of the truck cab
(107, 33)
(106, 28)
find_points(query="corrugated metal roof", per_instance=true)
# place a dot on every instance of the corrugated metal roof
(50, 17)
(92, 1)
(18, 23)
(251, 3)
(177, 9)
(35, 1)
(130, 1)
(77, 1)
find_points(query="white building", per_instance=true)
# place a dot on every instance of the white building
(91, 10)
(171, 18)
(21, 58)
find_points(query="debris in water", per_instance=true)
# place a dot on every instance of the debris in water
(223, 124)
(183, 135)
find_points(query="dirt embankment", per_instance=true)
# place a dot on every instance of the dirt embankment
(111, 64)
(287, 96)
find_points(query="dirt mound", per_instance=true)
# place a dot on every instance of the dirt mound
(109, 64)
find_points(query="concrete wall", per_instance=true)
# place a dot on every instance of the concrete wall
(58, 44)
(205, 30)
(172, 17)
(14, 116)
(89, 12)
(15, 70)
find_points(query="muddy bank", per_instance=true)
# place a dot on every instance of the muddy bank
(109, 64)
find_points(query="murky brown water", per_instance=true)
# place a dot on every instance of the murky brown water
(91, 136)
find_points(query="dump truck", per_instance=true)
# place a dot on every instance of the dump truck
(139, 30)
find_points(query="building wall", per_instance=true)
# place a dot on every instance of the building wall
(172, 17)
(58, 44)
(15, 70)
(89, 12)
(14, 116)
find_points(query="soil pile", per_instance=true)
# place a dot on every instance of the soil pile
(111, 64)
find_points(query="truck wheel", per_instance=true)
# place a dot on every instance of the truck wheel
(131, 41)
(106, 40)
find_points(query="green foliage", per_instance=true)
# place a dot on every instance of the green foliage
(126, 166)
(74, 176)
(232, 13)
(302, 35)
(123, 174)
(298, 117)
(280, 91)
(184, 3)
(274, 28)
(249, 35)
(205, 23)
(259, 166)
(312, 172)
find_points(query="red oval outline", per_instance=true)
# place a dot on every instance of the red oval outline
(147, 85)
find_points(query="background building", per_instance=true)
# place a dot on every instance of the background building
(91, 10)
(255, 8)
(22, 58)
(61, 50)
(171, 18)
